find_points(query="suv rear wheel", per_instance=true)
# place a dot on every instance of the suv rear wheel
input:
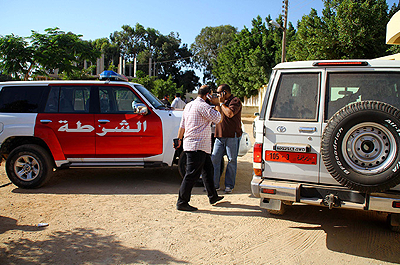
(361, 145)
(29, 166)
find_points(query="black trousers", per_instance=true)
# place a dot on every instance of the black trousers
(197, 163)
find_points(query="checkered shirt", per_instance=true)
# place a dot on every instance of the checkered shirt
(196, 120)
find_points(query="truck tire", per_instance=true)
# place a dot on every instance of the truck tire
(361, 146)
(182, 164)
(29, 166)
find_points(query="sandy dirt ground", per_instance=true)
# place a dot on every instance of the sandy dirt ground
(125, 216)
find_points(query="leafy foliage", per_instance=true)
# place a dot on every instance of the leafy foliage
(59, 50)
(53, 50)
(159, 87)
(166, 52)
(244, 59)
(348, 29)
(207, 45)
(110, 51)
(78, 74)
(16, 57)
(245, 64)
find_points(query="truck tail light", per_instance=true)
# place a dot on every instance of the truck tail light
(269, 191)
(257, 171)
(396, 204)
(257, 153)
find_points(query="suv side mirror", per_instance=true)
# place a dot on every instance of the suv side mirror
(140, 108)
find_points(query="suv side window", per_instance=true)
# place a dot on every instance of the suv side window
(52, 100)
(117, 100)
(22, 99)
(346, 88)
(74, 99)
(296, 97)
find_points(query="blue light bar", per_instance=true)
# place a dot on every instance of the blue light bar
(112, 76)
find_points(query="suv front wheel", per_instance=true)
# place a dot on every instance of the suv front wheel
(29, 166)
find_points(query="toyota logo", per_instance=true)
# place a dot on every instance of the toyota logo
(281, 129)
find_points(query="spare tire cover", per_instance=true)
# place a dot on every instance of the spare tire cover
(361, 145)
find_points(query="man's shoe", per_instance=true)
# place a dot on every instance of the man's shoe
(228, 190)
(186, 207)
(216, 199)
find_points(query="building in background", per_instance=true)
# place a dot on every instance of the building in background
(393, 35)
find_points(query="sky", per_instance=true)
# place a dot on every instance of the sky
(98, 19)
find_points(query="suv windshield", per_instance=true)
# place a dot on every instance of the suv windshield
(150, 97)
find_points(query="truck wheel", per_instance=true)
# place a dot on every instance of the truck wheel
(361, 145)
(182, 164)
(29, 166)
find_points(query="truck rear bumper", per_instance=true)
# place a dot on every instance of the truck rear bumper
(321, 195)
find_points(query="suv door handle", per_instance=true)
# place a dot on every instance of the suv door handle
(103, 121)
(307, 129)
(45, 121)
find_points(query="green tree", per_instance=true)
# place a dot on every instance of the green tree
(207, 45)
(56, 49)
(162, 87)
(169, 56)
(16, 56)
(347, 29)
(44, 53)
(110, 50)
(79, 74)
(245, 64)
(188, 80)
(159, 87)
(130, 40)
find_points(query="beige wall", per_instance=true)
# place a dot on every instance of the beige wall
(393, 30)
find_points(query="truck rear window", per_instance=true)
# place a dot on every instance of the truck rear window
(296, 97)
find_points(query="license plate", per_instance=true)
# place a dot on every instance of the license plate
(291, 157)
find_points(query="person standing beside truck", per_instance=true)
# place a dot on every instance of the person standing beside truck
(178, 103)
(196, 130)
(227, 137)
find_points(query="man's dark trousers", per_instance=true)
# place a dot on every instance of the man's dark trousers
(197, 163)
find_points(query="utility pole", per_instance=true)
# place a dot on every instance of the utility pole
(150, 63)
(134, 67)
(285, 19)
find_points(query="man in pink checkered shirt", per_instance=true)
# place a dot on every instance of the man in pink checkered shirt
(195, 127)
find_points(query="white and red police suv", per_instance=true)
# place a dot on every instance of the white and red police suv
(56, 124)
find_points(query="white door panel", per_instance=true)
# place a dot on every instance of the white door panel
(291, 124)
(291, 137)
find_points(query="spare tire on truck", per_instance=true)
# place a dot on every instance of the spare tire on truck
(361, 146)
